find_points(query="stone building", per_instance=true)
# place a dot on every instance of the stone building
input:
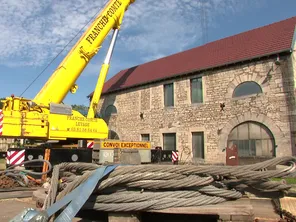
(239, 90)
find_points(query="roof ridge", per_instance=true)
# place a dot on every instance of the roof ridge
(254, 43)
(218, 40)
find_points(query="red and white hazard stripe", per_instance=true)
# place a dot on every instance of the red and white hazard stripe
(90, 145)
(175, 156)
(1, 122)
(15, 157)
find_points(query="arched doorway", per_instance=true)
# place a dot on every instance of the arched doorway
(253, 140)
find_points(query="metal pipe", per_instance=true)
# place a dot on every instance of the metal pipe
(102, 77)
(111, 47)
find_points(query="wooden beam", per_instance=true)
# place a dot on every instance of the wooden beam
(16, 194)
(289, 204)
(123, 217)
(237, 207)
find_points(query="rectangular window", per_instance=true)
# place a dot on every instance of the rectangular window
(196, 90)
(198, 145)
(169, 94)
(145, 137)
(169, 141)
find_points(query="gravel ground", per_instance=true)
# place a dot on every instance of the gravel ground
(12, 207)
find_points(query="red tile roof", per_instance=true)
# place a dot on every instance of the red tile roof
(263, 41)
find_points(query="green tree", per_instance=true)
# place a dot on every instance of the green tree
(80, 108)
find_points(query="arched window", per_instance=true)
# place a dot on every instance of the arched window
(111, 109)
(247, 88)
(252, 139)
(113, 135)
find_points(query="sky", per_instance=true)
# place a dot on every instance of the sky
(34, 32)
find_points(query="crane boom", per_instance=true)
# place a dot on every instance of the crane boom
(65, 76)
(46, 117)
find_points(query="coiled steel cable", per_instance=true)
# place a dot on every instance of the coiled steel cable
(147, 187)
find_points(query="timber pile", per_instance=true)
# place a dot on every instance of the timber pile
(160, 187)
(15, 177)
(7, 182)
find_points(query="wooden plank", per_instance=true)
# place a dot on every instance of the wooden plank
(19, 189)
(237, 207)
(123, 217)
(289, 204)
(264, 208)
(243, 208)
(15, 194)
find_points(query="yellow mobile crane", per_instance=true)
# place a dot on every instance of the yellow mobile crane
(46, 117)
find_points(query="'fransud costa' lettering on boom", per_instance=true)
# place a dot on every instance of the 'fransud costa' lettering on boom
(103, 20)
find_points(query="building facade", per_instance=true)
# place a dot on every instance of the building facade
(201, 113)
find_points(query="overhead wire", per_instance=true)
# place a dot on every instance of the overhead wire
(63, 49)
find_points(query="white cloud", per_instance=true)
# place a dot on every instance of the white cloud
(34, 31)
(155, 29)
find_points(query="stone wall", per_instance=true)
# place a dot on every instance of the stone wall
(274, 108)
(292, 113)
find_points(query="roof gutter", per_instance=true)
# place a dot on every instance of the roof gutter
(294, 39)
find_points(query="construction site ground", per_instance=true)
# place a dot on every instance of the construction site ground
(14, 200)
(13, 206)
